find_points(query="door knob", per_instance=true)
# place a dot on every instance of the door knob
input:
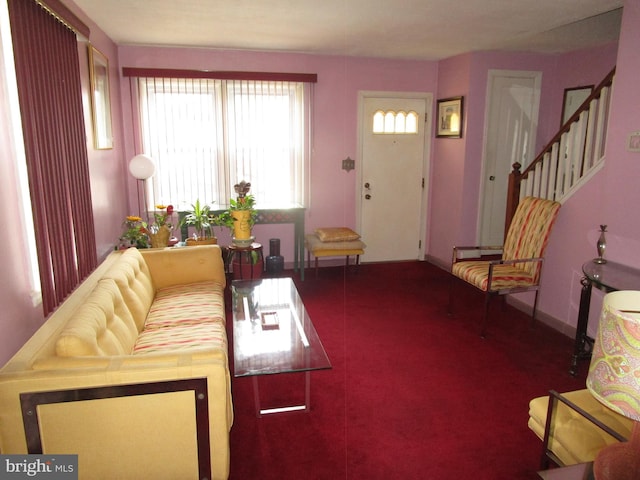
(367, 196)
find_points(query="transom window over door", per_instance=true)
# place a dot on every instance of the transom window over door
(206, 135)
(395, 122)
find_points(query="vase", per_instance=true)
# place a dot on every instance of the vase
(160, 239)
(241, 226)
(601, 245)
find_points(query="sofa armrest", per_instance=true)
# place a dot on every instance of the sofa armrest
(184, 265)
(70, 421)
(138, 465)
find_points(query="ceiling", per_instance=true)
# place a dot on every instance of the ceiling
(406, 29)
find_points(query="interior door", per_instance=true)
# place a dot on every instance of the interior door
(512, 117)
(392, 181)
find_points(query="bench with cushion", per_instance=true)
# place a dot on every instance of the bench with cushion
(333, 242)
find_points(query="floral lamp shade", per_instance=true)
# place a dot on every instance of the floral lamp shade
(614, 374)
(614, 379)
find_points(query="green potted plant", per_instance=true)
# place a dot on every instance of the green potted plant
(202, 220)
(241, 216)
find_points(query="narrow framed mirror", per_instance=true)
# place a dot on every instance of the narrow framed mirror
(573, 98)
(100, 99)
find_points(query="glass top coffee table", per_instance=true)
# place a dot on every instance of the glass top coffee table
(273, 334)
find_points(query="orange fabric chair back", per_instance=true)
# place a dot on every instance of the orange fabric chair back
(529, 232)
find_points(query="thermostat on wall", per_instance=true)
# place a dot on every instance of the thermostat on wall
(633, 145)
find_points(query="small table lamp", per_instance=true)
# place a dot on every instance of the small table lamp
(614, 379)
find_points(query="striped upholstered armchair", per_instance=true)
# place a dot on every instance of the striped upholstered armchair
(522, 256)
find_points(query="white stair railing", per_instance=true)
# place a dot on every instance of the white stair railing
(573, 156)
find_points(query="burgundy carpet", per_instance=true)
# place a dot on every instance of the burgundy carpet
(413, 393)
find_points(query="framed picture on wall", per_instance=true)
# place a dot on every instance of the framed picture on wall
(449, 121)
(100, 99)
(573, 98)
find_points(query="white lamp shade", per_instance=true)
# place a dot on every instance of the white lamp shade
(142, 167)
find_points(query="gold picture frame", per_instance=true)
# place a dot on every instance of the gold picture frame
(450, 117)
(100, 99)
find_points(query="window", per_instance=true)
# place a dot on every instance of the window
(206, 135)
(395, 122)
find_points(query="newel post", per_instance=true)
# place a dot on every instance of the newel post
(513, 195)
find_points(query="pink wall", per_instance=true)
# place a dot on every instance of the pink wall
(458, 162)
(611, 197)
(335, 115)
(455, 164)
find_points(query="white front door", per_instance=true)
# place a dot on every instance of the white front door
(392, 179)
(512, 118)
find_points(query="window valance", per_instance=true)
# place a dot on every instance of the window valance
(219, 75)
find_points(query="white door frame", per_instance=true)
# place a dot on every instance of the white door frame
(537, 77)
(426, 163)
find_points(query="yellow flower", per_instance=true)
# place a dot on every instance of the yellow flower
(133, 218)
(161, 207)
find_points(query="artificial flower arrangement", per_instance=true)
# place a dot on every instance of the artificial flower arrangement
(135, 234)
(140, 235)
(162, 217)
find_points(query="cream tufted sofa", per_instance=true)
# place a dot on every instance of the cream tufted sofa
(130, 372)
(572, 437)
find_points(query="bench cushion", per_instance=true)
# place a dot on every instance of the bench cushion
(336, 234)
(333, 249)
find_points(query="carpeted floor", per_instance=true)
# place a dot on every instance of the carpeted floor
(413, 393)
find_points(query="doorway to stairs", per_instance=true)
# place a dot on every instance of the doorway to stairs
(511, 120)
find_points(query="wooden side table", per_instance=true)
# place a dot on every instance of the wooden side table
(247, 263)
(581, 471)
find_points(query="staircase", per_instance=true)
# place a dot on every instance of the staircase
(573, 156)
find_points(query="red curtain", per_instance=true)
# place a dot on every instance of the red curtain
(50, 95)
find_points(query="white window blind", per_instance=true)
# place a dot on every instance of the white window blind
(206, 135)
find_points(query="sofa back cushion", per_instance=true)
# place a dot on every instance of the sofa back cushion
(133, 278)
(102, 326)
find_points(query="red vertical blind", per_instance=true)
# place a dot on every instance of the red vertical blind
(50, 96)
